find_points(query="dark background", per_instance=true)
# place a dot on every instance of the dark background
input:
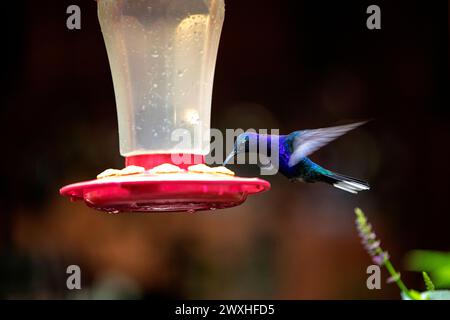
(282, 64)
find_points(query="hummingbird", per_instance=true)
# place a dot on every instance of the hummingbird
(293, 152)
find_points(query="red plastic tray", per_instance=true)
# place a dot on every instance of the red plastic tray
(165, 193)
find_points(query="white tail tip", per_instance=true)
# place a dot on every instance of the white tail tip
(350, 186)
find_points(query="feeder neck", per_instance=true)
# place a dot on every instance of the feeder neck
(149, 161)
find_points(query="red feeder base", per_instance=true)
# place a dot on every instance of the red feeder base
(170, 192)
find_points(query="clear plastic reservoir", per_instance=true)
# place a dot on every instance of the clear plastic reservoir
(162, 55)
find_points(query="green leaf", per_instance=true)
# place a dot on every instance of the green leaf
(441, 277)
(428, 283)
(436, 263)
(413, 295)
(424, 260)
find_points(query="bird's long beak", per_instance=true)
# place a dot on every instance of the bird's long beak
(230, 156)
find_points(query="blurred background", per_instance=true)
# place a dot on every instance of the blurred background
(288, 64)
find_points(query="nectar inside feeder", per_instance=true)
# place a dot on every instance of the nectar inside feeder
(162, 56)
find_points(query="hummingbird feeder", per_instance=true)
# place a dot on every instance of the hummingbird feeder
(162, 55)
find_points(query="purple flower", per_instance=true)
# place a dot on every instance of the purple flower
(380, 259)
(369, 239)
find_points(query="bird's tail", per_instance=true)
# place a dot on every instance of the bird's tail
(345, 183)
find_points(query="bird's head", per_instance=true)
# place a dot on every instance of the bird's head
(241, 145)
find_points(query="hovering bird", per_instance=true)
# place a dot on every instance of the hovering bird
(293, 151)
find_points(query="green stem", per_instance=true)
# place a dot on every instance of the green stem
(398, 281)
(395, 275)
(373, 247)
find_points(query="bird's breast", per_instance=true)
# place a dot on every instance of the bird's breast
(284, 156)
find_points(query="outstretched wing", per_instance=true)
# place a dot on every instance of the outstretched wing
(306, 142)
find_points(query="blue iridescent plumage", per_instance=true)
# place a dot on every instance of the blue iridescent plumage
(293, 151)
